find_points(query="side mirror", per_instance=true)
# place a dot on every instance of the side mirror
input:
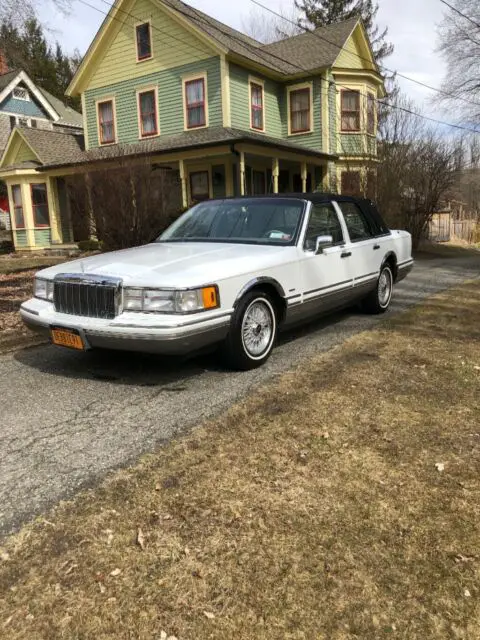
(322, 242)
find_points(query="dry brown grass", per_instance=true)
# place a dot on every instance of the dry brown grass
(314, 510)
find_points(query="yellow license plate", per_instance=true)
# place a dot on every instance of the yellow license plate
(67, 338)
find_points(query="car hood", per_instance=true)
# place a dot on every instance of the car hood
(183, 264)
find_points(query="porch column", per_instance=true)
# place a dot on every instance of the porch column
(275, 174)
(28, 213)
(304, 177)
(54, 212)
(242, 173)
(183, 181)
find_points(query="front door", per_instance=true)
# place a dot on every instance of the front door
(327, 281)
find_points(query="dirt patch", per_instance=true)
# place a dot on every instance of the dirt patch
(340, 502)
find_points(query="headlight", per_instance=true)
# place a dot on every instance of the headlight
(43, 289)
(170, 300)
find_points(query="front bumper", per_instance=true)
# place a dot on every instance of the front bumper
(149, 333)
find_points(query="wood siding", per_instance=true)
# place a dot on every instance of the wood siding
(274, 108)
(173, 45)
(21, 239)
(42, 237)
(170, 100)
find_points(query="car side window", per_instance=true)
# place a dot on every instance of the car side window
(356, 221)
(323, 222)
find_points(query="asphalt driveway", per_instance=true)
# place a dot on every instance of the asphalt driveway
(68, 418)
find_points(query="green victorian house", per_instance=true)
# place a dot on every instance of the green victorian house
(229, 115)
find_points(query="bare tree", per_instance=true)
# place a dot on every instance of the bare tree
(127, 203)
(459, 42)
(418, 168)
(267, 28)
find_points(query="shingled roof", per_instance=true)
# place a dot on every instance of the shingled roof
(53, 147)
(305, 52)
(314, 49)
(56, 149)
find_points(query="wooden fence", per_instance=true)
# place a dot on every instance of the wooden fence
(443, 227)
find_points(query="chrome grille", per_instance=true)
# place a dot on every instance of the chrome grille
(91, 296)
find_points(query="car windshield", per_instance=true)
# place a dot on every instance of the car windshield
(273, 221)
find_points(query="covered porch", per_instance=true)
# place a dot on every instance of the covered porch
(46, 213)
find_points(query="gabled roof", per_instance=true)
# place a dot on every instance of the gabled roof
(59, 113)
(49, 146)
(288, 58)
(315, 49)
(67, 116)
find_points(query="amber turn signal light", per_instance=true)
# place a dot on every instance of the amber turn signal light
(210, 297)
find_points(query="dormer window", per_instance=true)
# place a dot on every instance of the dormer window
(144, 41)
(20, 93)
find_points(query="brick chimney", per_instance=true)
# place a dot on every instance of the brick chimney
(3, 64)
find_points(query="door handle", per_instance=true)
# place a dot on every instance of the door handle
(346, 254)
(376, 246)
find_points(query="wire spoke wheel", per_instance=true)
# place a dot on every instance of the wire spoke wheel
(385, 286)
(258, 328)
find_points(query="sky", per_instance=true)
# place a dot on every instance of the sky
(412, 28)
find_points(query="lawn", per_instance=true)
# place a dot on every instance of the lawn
(342, 501)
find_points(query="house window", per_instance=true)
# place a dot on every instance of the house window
(18, 207)
(106, 122)
(256, 93)
(371, 113)
(350, 110)
(33, 123)
(195, 103)
(200, 186)
(41, 217)
(13, 122)
(147, 109)
(300, 111)
(351, 183)
(144, 41)
(20, 93)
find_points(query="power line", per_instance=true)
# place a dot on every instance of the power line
(392, 71)
(463, 15)
(305, 70)
(300, 68)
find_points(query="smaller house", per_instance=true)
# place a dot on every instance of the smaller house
(28, 108)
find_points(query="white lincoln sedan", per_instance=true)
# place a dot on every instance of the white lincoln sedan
(230, 272)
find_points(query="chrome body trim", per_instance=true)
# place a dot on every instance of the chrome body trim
(259, 281)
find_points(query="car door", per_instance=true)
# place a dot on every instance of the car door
(325, 277)
(364, 249)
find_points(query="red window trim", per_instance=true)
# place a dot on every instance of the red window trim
(100, 134)
(195, 105)
(343, 111)
(15, 207)
(371, 104)
(308, 129)
(255, 107)
(40, 226)
(155, 113)
(149, 55)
